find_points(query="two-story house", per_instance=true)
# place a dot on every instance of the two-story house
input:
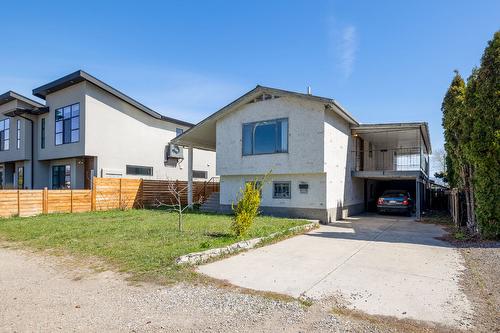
(323, 164)
(87, 128)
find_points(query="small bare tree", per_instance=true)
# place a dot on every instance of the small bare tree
(175, 192)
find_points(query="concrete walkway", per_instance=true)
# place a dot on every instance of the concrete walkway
(382, 265)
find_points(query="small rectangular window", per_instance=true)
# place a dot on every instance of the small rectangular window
(42, 139)
(281, 190)
(18, 134)
(178, 131)
(20, 178)
(67, 127)
(4, 134)
(200, 174)
(137, 170)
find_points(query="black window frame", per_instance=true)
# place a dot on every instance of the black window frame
(130, 167)
(42, 134)
(205, 173)
(288, 183)
(5, 138)
(20, 177)
(64, 176)
(66, 134)
(256, 124)
(18, 134)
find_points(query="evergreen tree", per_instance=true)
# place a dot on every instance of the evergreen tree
(483, 103)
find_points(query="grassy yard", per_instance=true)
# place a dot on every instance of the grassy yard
(142, 242)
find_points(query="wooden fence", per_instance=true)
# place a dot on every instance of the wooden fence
(106, 194)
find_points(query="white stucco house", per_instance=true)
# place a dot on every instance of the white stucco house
(84, 128)
(324, 164)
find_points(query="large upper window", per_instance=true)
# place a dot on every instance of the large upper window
(265, 137)
(68, 124)
(138, 170)
(4, 134)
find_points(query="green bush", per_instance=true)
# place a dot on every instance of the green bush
(247, 208)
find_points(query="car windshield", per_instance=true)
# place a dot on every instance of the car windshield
(393, 194)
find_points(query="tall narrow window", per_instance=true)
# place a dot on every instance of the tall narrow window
(20, 178)
(265, 137)
(61, 177)
(68, 124)
(42, 139)
(4, 134)
(18, 134)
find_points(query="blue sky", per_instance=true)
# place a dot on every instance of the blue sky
(384, 61)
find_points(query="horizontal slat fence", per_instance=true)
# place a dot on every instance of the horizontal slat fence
(107, 194)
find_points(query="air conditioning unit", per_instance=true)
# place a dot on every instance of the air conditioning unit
(174, 152)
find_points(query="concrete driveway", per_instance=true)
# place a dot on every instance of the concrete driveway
(382, 265)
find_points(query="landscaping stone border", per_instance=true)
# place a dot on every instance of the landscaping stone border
(197, 258)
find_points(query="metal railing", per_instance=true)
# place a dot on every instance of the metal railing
(398, 159)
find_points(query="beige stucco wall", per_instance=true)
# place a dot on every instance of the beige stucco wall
(305, 138)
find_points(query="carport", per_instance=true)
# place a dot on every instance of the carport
(392, 157)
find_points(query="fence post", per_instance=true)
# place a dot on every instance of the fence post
(93, 196)
(45, 201)
(71, 201)
(120, 195)
(18, 204)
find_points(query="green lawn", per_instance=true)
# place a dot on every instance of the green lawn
(142, 242)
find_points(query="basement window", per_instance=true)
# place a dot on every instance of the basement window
(200, 174)
(281, 190)
(138, 170)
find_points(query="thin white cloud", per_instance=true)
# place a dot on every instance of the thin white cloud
(343, 45)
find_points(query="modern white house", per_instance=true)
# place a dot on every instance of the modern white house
(87, 128)
(323, 163)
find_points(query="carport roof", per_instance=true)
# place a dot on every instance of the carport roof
(422, 127)
(203, 134)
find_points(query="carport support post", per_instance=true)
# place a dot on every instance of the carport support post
(190, 176)
(417, 200)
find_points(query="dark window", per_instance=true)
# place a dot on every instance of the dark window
(42, 140)
(20, 178)
(138, 170)
(370, 150)
(281, 190)
(200, 174)
(178, 131)
(68, 124)
(4, 134)
(18, 134)
(265, 137)
(61, 177)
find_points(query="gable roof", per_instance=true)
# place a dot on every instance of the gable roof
(80, 76)
(11, 95)
(203, 134)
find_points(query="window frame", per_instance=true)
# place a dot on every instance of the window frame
(42, 134)
(254, 123)
(20, 178)
(289, 183)
(62, 120)
(139, 174)
(18, 134)
(66, 172)
(205, 172)
(6, 138)
(178, 131)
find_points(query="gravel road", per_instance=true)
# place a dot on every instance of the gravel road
(43, 293)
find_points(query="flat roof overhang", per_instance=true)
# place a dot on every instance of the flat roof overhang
(11, 96)
(391, 131)
(390, 175)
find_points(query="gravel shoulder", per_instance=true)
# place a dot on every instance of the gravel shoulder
(43, 293)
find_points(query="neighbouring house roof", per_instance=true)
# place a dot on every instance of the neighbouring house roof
(33, 108)
(203, 134)
(422, 127)
(80, 76)
(11, 95)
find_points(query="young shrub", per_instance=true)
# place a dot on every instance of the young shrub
(247, 208)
